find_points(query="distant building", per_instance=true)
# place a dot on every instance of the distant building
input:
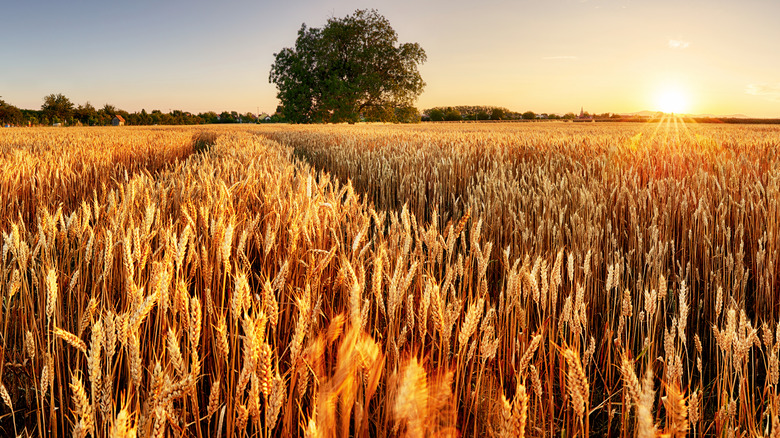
(118, 120)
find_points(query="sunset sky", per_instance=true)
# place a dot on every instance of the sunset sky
(718, 57)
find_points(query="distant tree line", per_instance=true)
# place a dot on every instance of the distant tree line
(477, 113)
(465, 112)
(57, 108)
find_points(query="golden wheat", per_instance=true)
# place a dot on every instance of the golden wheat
(380, 280)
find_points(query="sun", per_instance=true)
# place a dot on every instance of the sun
(672, 101)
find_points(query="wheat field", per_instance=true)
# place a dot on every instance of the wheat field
(435, 280)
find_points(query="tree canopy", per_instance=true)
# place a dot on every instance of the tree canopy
(57, 107)
(9, 114)
(351, 68)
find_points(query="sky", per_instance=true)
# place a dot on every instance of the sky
(555, 56)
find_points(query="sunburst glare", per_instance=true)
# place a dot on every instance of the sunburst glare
(672, 100)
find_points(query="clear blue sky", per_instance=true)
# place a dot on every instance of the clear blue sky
(547, 56)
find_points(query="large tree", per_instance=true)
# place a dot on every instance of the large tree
(353, 67)
(57, 107)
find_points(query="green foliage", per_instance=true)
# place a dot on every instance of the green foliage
(352, 68)
(497, 114)
(277, 117)
(109, 110)
(436, 115)
(57, 107)
(529, 115)
(451, 115)
(468, 112)
(87, 114)
(209, 117)
(10, 114)
(407, 114)
(228, 117)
